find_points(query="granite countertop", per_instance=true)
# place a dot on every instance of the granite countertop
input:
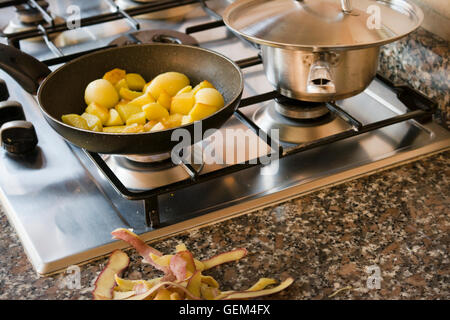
(396, 220)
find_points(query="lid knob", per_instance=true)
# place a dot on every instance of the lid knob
(346, 6)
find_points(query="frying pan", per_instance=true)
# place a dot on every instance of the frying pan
(62, 91)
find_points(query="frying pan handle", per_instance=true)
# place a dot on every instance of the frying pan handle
(25, 69)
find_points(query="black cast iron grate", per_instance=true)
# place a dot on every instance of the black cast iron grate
(419, 107)
(51, 26)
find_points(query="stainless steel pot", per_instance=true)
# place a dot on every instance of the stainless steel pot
(321, 50)
(319, 76)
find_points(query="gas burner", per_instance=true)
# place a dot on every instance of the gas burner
(27, 14)
(28, 18)
(156, 158)
(297, 109)
(155, 36)
(173, 13)
(146, 172)
(295, 130)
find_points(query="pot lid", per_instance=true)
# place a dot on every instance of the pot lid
(316, 24)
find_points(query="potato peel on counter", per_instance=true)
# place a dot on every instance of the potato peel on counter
(183, 278)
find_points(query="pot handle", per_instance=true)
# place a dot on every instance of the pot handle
(320, 79)
(25, 69)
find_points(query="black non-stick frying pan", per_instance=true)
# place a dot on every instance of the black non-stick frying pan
(62, 91)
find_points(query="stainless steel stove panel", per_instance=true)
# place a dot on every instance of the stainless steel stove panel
(64, 209)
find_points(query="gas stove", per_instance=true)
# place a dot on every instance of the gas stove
(64, 201)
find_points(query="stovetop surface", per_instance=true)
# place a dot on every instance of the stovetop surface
(64, 209)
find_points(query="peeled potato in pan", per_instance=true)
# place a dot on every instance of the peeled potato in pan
(124, 102)
(102, 92)
(171, 82)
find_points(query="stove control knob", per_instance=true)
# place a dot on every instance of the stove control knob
(10, 110)
(4, 94)
(18, 137)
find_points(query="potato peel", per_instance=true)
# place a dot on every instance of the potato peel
(224, 257)
(128, 285)
(105, 283)
(183, 277)
(178, 267)
(238, 295)
(194, 284)
(140, 246)
(181, 264)
(169, 284)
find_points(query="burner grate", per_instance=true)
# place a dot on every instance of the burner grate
(127, 14)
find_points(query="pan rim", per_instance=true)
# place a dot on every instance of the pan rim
(43, 84)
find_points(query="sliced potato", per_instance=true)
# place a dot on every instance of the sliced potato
(165, 99)
(75, 120)
(102, 92)
(142, 100)
(171, 82)
(94, 123)
(114, 129)
(121, 84)
(122, 102)
(186, 119)
(127, 110)
(158, 127)
(135, 81)
(138, 118)
(149, 125)
(128, 94)
(114, 118)
(201, 85)
(97, 110)
(210, 96)
(182, 103)
(114, 75)
(144, 89)
(201, 111)
(155, 111)
(172, 121)
(98, 128)
(133, 128)
(184, 90)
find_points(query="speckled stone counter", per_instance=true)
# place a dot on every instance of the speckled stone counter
(422, 61)
(396, 220)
